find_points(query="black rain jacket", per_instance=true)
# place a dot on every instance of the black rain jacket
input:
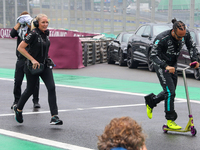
(166, 49)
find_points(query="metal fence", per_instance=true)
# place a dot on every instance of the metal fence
(102, 16)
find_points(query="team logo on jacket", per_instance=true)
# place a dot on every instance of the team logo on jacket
(169, 42)
(28, 36)
(156, 42)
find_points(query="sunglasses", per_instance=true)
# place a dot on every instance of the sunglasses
(179, 37)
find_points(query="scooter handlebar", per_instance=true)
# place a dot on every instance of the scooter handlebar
(193, 64)
(166, 70)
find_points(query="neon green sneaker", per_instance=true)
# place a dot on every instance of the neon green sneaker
(172, 125)
(149, 104)
(149, 111)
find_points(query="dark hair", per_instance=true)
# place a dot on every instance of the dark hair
(178, 25)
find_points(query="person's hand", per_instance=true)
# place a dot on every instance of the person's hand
(197, 64)
(170, 69)
(35, 63)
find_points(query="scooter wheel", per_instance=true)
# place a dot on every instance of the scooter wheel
(164, 130)
(193, 131)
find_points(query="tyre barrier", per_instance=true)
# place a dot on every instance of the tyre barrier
(94, 51)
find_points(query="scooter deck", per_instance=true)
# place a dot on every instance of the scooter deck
(189, 128)
(178, 130)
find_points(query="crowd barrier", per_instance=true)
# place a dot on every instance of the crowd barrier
(73, 50)
(94, 51)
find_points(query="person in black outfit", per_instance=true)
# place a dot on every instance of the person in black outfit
(38, 40)
(19, 31)
(164, 55)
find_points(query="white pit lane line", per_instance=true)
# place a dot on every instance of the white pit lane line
(42, 140)
(90, 108)
(178, 100)
(65, 145)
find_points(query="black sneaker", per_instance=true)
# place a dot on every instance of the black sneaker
(56, 121)
(18, 115)
(36, 105)
(13, 105)
(149, 101)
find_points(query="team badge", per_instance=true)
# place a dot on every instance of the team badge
(169, 42)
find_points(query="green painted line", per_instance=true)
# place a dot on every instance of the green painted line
(90, 82)
(9, 143)
(112, 84)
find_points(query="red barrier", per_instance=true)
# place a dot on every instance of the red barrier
(65, 49)
(5, 33)
(66, 52)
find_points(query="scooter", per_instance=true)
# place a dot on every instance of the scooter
(190, 125)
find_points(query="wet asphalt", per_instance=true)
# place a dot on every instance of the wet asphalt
(85, 112)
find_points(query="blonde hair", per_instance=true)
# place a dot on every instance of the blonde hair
(32, 25)
(38, 17)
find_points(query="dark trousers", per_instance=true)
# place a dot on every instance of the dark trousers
(18, 79)
(168, 82)
(47, 77)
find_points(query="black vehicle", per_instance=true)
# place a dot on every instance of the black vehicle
(140, 44)
(184, 58)
(117, 49)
